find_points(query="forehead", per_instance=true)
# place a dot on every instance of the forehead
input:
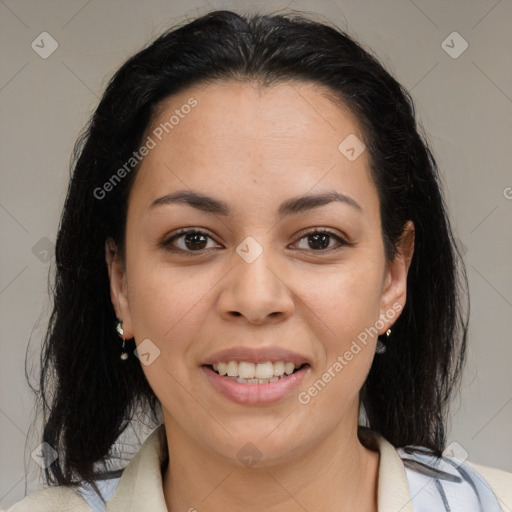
(285, 113)
(239, 135)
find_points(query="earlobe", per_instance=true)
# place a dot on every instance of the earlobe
(118, 288)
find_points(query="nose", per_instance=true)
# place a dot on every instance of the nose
(255, 290)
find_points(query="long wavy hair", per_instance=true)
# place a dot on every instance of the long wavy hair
(87, 394)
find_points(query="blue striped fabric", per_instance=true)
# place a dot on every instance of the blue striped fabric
(445, 484)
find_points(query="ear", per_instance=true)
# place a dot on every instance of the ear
(394, 292)
(118, 286)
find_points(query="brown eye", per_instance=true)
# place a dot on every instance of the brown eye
(188, 240)
(319, 241)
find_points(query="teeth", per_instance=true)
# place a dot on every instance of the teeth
(255, 381)
(265, 370)
(232, 369)
(288, 368)
(278, 368)
(244, 371)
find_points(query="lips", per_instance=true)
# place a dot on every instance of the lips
(257, 393)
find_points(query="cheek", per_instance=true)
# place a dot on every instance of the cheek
(165, 305)
(164, 301)
(345, 306)
(347, 300)
(345, 310)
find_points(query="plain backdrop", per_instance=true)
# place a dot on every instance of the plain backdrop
(463, 98)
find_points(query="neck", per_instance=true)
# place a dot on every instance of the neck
(337, 473)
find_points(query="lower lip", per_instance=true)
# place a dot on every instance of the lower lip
(255, 394)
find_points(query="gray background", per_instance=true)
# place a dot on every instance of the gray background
(464, 103)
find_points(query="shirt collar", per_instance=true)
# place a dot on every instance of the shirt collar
(141, 486)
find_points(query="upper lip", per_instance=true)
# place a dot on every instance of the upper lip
(256, 355)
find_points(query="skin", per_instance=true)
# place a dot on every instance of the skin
(254, 148)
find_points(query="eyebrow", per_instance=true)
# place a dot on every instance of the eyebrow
(291, 206)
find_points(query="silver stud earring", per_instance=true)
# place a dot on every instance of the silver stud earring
(381, 348)
(120, 331)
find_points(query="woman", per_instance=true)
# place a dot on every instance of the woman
(254, 211)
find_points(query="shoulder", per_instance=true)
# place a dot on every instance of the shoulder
(143, 472)
(51, 499)
(500, 481)
(454, 484)
(60, 498)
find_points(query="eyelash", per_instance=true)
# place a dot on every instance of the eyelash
(167, 244)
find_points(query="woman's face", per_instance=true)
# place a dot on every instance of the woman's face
(277, 276)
